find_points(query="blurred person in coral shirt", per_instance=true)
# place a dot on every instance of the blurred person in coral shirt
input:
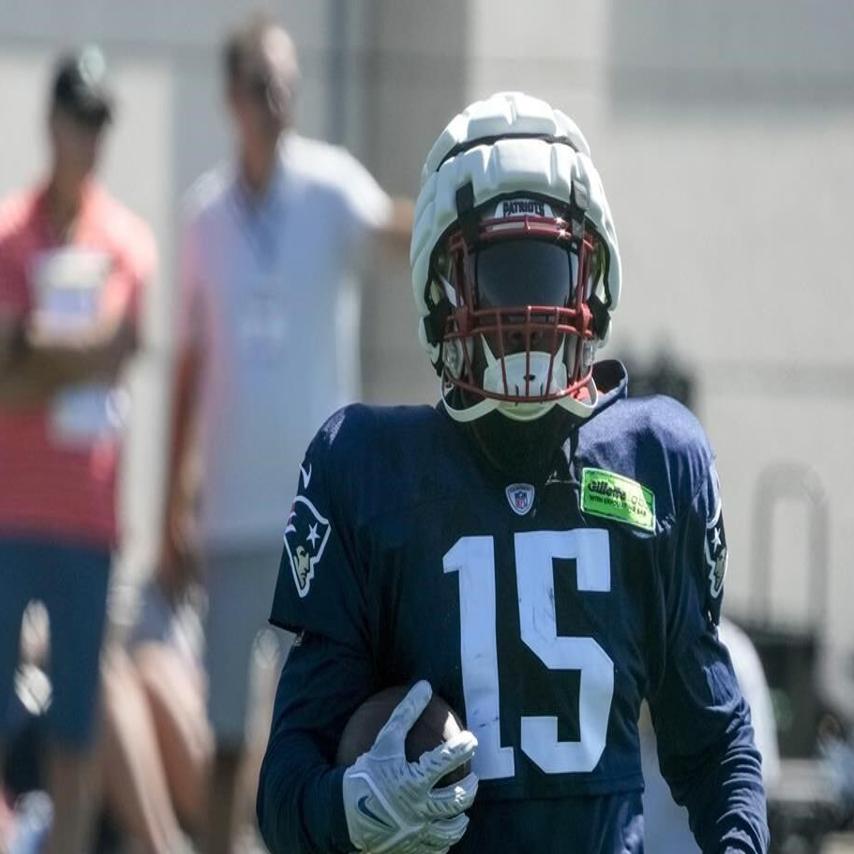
(72, 264)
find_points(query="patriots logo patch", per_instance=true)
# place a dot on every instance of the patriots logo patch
(306, 535)
(715, 546)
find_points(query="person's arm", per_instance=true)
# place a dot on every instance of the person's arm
(320, 595)
(37, 362)
(178, 563)
(706, 746)
(396, 232)
(34, 366)
(382, 802)
(372, 217)
(750, 674)
(300, 804)
(707, 753)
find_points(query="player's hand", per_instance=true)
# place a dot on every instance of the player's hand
(391, 805)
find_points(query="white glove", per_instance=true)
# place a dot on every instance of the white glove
(391, 805)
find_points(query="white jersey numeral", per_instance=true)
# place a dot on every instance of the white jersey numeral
(474, 559)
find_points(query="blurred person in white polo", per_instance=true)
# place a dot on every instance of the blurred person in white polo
(267, 349)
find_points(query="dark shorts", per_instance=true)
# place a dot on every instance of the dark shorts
(72, 583)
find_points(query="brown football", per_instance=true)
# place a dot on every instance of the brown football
(438, 723)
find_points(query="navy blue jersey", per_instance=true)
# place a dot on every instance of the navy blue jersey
(543, 612)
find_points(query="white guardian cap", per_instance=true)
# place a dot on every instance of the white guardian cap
(515, 263)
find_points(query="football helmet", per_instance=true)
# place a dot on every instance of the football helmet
(515, 262)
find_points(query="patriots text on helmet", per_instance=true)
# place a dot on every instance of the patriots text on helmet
(517, 207)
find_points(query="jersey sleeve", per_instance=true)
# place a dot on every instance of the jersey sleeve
(705, 739)
(321, 587)
(697, 683)
(300, 803)
(751, 679)
(698, 558)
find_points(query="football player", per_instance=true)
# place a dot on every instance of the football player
(539, 550)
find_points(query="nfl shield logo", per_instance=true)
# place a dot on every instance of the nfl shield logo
(521, 497)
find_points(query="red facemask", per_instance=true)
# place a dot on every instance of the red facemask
(521, 326)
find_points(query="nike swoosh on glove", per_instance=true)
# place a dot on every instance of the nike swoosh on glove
(391, 805)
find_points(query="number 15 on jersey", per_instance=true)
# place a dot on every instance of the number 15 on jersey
(473, 558)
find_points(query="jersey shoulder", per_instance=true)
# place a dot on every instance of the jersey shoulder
(375, 458)
(655, 441)
(363, 462)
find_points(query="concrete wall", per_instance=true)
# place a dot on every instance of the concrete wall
(413, 79)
